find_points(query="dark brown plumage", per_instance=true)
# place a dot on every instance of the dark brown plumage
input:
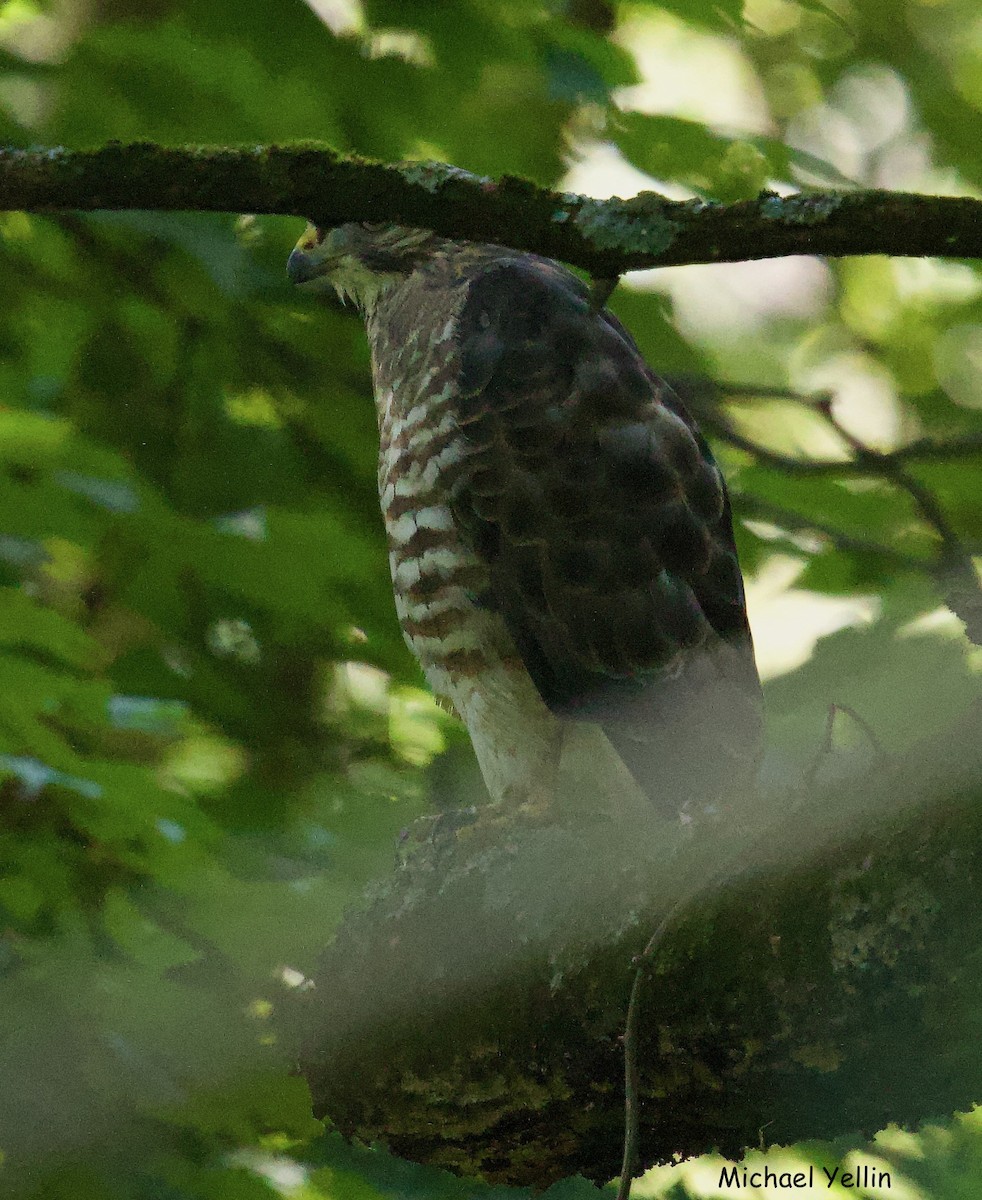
(560, 539)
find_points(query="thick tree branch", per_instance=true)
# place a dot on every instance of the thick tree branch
(816, 985)
(605, 237)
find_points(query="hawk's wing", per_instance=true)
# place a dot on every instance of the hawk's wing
(604, 520)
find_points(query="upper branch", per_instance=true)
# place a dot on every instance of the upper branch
(605, 237)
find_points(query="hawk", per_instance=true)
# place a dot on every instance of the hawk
(559, 534)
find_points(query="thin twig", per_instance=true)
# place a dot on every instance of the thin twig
(954, 571)
(632, 1077)
(708, 411)
(888, 468)
(870, 462)
(825, 749)
(725, 432)
(754, 391)
(757, 509)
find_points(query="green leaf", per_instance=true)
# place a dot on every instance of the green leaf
(583, 67)
(710, 161)
(27, 625)
(141, 938)
(263, 1102)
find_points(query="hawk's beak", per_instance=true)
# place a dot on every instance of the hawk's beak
(299, 267)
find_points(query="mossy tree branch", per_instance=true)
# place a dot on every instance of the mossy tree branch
(822, 983)
(605, 237)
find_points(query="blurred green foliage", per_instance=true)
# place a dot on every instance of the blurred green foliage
(211, 733)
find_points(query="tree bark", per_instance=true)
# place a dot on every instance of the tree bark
(823, 980)
(604, 237)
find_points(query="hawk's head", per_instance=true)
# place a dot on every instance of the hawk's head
(360, 261)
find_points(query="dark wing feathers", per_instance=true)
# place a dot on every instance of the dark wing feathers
(597, 506)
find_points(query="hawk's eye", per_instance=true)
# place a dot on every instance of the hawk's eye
(312, 237)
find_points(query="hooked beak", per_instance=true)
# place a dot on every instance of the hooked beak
(299, 267)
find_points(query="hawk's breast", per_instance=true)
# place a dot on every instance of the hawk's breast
(558, 530)
(438, 579)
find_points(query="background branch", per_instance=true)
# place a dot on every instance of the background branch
(951, 568)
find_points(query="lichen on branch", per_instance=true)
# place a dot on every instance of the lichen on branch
(604, 237)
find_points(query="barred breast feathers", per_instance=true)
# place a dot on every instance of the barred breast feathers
(560, 538)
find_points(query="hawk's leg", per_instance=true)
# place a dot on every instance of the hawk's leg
(517, 740)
